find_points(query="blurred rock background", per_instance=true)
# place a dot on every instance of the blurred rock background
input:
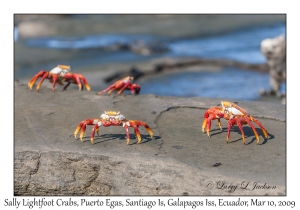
(213, 56)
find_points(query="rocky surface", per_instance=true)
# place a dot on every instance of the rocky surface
(179, 160)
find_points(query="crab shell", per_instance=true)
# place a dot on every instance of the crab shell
(232, 109)
(112, 115)
(60, 70)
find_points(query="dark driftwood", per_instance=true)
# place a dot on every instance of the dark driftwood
(159, 68)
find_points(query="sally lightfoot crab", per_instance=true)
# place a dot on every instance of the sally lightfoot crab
(59, 74)
(112, 118)
(235, 116)
(121, 85)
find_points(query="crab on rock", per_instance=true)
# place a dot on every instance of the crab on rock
(112, 118)
(59, 74)
(235, 116)
(121, 85)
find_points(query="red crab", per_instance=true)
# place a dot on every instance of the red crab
(235, 116)
(59, 74)
(112, 118)
(121, 85)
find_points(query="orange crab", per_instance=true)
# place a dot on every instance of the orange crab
(235, 116)
(121, 85)
(59, 74)
(112, 118)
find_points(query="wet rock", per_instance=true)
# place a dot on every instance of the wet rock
(274, 49)
(143, 48)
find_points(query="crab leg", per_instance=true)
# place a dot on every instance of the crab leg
(76, 79)
(253, 128)
(261, 126)
(208, 125)
(41, 81)
(125, 126)
(95, 129)
(239, 122)
(35, 78)
(79, 78)
(107, 89)
(83, 129)
(229, 125)
(125, 85)
(204, 124)
(219, 124)
(78, 128)
(82, 78)
(121, 85)
(54, 78)
(112, 89)
(67, 85)
(78, 82)
(137, 123)
(209, 116)
(82, 126)
(137, 132)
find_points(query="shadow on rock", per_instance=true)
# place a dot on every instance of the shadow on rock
(121, 137)
(249, 132)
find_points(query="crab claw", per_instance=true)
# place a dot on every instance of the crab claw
(136, 88)
(78, 129)
(42, 74)
(209, 115)
(82, 126)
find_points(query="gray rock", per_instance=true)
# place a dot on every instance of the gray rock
(274, 49)
(177, 161)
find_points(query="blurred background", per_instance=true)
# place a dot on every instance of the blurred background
(213, 56)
